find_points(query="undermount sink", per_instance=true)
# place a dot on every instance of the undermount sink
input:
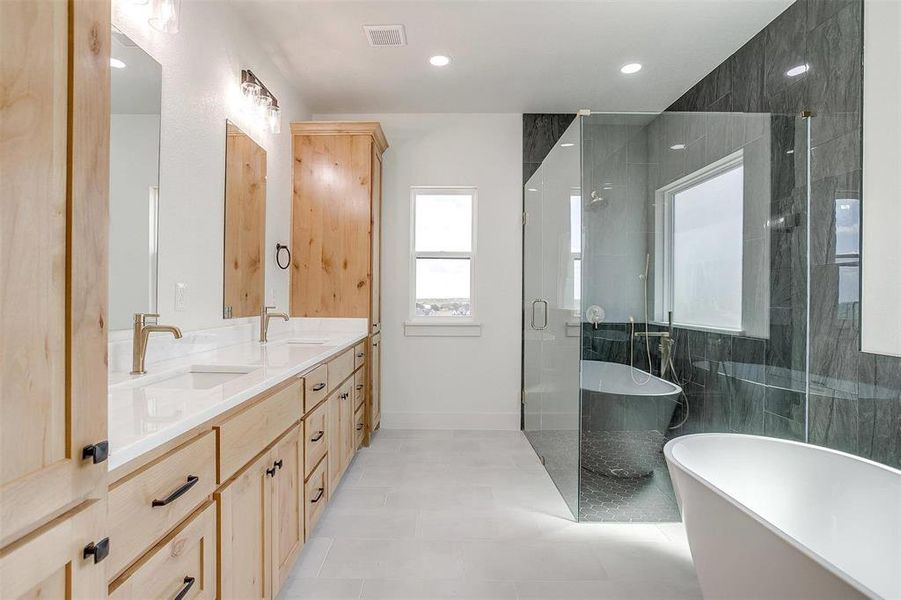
(204, 377)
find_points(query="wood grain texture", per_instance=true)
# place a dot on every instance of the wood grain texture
(49, 563)
(375, 309)
(330, 226)
(316, 438)
(316, 494)
(247, 433)
(245, 224)
(54, 173)
(287, 505)
(189, 551)
(135, 523)
(244, 514)
(372, 129)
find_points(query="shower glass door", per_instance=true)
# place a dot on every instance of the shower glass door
(551, 327)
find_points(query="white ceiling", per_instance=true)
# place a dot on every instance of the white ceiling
(508, 55)
(136, 88)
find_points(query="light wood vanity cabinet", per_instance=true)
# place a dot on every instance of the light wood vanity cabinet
(287, 504)
(54, 177)
(375, 381)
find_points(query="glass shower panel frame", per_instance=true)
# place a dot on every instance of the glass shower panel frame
(551, 324)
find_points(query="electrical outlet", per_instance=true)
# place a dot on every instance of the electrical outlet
(181, 297)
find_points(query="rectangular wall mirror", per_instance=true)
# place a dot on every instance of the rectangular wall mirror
(135, 88)
(245, 225)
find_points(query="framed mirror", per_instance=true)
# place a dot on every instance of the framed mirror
(134, 194)
(245, 225)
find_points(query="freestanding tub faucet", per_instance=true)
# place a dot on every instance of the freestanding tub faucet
(142, 331)
(666, 344)
(265, 315)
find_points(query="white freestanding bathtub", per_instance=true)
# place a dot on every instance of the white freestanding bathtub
(769, 518)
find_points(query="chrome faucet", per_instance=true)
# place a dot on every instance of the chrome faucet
(265, 315)
(666, 344)
(142, 331)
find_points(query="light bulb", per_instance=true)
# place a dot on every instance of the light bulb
(164, 15)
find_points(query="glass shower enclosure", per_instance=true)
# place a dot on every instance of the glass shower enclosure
(665, 292)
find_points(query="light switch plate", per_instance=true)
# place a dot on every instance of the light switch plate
(181, 297)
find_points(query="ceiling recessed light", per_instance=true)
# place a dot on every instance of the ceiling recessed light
(798, 70)
(116, 63)
(630, 68)
(439, 60)
(677, 147)
(567, 145)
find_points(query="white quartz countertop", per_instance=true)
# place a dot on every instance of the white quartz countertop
(146, 411)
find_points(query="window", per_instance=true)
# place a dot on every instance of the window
(443, 253)
(702, 245)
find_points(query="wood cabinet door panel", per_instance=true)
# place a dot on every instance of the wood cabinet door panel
(50, 563)
(287, 505)
(375, 381)
(330, 270)
(244, 514)
(375, 310)
(54, 173)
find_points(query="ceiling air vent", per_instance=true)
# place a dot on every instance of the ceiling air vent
(385, 36)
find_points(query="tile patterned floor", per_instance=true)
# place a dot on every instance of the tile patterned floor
(423, 515)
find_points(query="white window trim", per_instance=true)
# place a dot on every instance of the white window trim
(663, 281)
(443, 326)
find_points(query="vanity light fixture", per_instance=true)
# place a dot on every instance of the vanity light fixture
(116, 63)
(261, 100)
(798, 70)
(164, 15)
(630, 68)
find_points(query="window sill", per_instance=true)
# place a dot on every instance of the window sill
(442, 329)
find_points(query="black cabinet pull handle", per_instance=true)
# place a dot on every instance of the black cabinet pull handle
(271, 471)
(359, 427)
(318, 497)
(318, 386)
(191, 482)
(96, 452)
(317, 436)
(361, 354)
(278, 464)
(189, 583)
(99, 550)
(359, 387)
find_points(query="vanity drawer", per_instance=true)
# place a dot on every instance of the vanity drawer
(340, 368)
(316, 439)
(359, 392)
(315, 495)
(359, 355)
(315, 387)
(359, 426)
(182, 566)
(247, 433)
(147, 504)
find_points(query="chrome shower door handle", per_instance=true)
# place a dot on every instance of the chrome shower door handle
(534, 302)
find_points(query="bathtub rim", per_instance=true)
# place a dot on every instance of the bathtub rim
(794, 542)
(676, 391)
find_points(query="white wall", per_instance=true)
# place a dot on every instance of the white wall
(881, 251)
(453, 382)
(201, 74)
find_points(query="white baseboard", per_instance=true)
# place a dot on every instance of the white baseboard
(477, 421)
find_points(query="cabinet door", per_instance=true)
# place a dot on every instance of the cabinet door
(347, 423)
(375, 382)
(334, 439)
(244, 535)
(54, 173)
(287, 505)
(330, 274)
(375, 310)
(51, 563)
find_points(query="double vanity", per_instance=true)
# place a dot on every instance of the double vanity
(237, 449)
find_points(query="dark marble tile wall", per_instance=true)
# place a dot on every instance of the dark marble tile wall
(855, 400)
(540, 132)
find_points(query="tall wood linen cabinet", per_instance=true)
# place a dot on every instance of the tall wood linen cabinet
(54, 161)
(336, 231)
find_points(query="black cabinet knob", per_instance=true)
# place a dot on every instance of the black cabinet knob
(278, 464)
(96, 452)
(271, 471)
(98, 550)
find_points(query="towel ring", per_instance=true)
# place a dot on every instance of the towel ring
(278, 253)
